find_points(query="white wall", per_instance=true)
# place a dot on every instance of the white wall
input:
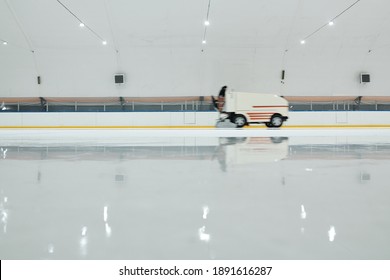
(187, 72)
(160, 51)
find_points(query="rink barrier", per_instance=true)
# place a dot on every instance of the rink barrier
(181, 103)
(185, 120)
(374, 126)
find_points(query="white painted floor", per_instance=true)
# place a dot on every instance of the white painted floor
(195, 194)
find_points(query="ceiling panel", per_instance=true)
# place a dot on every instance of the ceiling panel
(178, 23)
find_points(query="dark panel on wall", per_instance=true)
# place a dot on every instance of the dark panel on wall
(119, 78)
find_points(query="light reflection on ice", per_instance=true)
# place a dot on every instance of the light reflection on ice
(332, 233)
(303, 212)
(205, 212)
(203, 236)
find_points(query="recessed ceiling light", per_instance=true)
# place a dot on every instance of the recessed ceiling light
(5, 43)
(104, 42)
(331, 23)
(303, 42)
(207, 23)
(82, 24)
(204, 42)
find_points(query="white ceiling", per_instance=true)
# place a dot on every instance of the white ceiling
(45, 24)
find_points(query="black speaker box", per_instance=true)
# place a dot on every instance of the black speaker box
(119, 78)
(364, 78)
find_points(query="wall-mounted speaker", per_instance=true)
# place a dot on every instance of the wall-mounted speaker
(119, 78)
(364, 78)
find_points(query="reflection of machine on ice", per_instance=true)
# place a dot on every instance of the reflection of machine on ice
(248, 150)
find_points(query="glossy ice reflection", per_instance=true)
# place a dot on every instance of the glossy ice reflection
(197, 198)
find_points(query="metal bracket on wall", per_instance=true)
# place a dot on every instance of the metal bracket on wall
(123, 102)
(358, 101)
(44, 106)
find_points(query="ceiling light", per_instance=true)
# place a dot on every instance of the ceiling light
(331, 23)
(204, 42)
(5, 43)
(207, 23)
(303, 42)
(81, 24)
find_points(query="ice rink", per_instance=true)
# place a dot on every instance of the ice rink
(195, 194)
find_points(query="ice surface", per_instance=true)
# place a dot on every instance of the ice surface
(195, 194)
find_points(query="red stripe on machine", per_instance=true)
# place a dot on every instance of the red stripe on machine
(257, 106)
